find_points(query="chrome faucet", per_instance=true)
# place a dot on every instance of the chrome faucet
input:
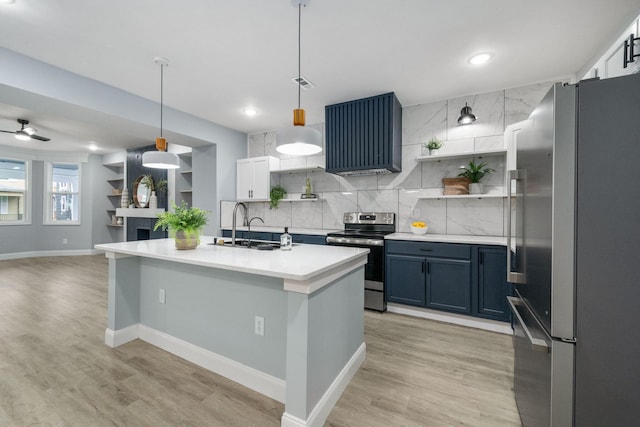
(244, 221)
(249, 229)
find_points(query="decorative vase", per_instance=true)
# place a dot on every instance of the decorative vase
(186, 242)
(433, 152)
(153, 201)
(124, 199)
(476, 188)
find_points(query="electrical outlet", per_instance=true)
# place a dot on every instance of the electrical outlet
(161, 297)
(65, 241)
(416, 213)
(259, 326)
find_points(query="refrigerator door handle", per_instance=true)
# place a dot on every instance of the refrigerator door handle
(513, 176)
(536, 343)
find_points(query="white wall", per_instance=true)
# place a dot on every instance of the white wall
(399, 192)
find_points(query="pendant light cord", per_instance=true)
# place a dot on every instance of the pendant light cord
(161, 94)
(299, 50)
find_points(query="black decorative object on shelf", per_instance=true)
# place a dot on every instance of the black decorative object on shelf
(629, 48)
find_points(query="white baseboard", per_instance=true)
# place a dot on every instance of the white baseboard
(39, 254)
(323, 408)
(249, 377)
(121, 336)
(472, 322)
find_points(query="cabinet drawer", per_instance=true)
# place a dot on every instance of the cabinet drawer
(429, 249)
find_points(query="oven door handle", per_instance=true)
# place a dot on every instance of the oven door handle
(349, 241)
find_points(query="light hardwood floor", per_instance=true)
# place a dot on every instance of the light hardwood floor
(56, 371)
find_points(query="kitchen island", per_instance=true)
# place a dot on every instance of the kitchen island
(288, 324)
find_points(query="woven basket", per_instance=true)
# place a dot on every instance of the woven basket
(184, 242)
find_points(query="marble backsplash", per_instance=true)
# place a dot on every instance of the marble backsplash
(402, 193)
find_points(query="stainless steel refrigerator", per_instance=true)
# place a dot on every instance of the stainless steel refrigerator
(574, 231)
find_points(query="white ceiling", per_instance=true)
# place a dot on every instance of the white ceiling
(226, 55)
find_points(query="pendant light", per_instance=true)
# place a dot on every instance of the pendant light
(466, 116)
(298, 139)
(160, 159)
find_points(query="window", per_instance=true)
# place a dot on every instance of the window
(13, 191)
(63, 196)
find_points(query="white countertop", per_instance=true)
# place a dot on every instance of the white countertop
(302, 263)
(450, 238)
(312, 231)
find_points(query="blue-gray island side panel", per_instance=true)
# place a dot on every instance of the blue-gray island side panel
(325, 330)
(215, 309)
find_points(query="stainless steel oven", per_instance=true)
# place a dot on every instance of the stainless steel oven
(367, 230)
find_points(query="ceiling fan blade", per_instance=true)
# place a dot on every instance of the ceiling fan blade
(7, 131)
(40, 138)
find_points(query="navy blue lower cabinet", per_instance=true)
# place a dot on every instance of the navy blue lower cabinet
(493, 287)
(449, 285)
(405, 279)
(257, 235)
(309, 239)
(454, 277)
(227, 233)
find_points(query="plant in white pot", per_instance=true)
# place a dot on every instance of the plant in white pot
(185, 224)
(433, 146)
(475, 173)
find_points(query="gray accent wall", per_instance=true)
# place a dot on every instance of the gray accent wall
(204, 180)
(37, 237)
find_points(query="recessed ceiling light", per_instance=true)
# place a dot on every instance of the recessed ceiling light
(251, 112)
(480, 58)
(93, 147)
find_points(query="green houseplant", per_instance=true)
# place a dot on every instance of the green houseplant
(433, 145)
(159, 185)
(475, 172)
(184, 224)
(277, 193)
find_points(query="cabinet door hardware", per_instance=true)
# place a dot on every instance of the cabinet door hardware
(426, 250)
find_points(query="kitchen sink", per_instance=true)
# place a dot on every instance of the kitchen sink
(251, 244)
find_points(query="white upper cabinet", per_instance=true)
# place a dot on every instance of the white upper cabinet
(253, 178)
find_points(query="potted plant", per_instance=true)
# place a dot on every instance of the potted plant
(475, 173)
(277, 193)
(184, 224)
(433, 146)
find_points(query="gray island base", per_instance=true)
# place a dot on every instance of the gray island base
(203, 305)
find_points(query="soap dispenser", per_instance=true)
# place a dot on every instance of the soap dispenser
(285, 240)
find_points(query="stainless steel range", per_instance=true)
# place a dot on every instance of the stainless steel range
(367, 230)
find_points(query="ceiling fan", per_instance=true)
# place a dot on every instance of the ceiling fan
(26, 133)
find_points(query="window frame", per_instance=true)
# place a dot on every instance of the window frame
(26, 216)
(48, 193)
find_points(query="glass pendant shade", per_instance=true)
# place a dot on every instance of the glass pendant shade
(466, 116)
